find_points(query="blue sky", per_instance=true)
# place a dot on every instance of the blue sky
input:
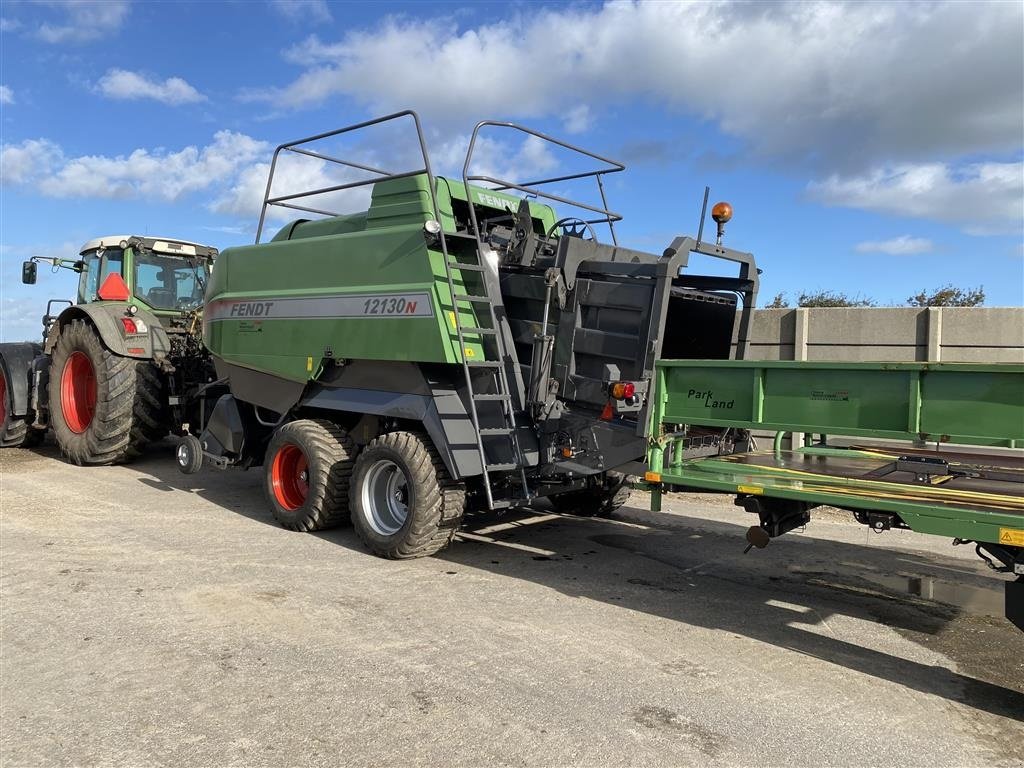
(870, 148)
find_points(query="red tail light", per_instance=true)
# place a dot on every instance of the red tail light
(133, 325)
(623, 390)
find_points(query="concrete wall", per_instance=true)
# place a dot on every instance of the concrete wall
(946, 334)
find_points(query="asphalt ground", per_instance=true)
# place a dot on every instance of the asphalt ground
(149, 618)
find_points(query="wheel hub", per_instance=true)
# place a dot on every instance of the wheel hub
(289, 476)
(78, 392)
(385, 498)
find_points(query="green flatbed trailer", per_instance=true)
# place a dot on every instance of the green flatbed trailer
(956, 467)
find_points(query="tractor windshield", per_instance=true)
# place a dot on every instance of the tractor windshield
(98, 265)
(168, 282)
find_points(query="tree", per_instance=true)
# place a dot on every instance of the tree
(949, 296)
(833, 299)
(779, 302)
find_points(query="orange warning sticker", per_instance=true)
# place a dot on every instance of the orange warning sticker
(1011, 536)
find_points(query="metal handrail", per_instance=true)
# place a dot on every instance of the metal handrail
(530, 188)
(294, 146)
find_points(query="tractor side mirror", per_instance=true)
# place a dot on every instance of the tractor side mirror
(28, 272)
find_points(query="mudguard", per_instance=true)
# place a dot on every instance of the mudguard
(106, 316)
(16, 359)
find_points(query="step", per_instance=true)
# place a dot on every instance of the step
(492, 431)
(480, 331)
(469, 297)
(467, 267)
(501, 467)
(483, 363)
(492, 398)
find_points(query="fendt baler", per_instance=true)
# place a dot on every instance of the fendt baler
(454, 346)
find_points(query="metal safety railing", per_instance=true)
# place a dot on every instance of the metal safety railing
(606, 216)
(298, 148)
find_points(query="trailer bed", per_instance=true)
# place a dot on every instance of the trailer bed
(937, 480)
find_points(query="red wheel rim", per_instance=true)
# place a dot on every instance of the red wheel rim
(3, 398)
(289, 475)
(78, 392)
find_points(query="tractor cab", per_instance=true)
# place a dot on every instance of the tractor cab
(166, 277)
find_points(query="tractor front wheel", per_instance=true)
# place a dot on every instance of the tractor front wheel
(306, 474)
(103, 407)
(404, 503)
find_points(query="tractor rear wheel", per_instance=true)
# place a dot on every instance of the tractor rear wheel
(594, 502)
(14, 430)
(404, 503)
(103, 407)
(306, 474)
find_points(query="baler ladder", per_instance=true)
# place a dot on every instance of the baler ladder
(492, 342)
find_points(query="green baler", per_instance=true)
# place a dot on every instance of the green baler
(457, 345)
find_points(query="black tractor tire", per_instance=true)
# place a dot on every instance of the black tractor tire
(15, 431)
(594, 502)
(404, 468)
(306, 474)
(103, 407)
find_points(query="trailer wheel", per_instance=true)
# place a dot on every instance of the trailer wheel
(104, 407)
(404, 503)
(306, 474)
(594, 502)
(14, 430)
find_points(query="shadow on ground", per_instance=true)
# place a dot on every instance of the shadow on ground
(702, 579)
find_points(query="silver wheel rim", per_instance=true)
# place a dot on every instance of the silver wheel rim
(385, 498)
(183, 457)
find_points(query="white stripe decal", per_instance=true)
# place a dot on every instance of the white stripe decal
(390, 305)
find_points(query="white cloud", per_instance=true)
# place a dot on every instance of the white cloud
(21, 318)
(153, 174)
(897, 246)
(123, 84)
(9, 25)
(6, 95)
(577, 119)
(984, 198)
(840, 85)
(84, 20)
(31, 160)
(307, 11)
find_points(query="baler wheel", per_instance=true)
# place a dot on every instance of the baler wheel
(594, 502)
(103, 407)
(404, 503)
(306, 474)
(14, 430)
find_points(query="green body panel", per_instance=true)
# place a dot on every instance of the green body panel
(947, 402)
(381, 252)
(392, 261)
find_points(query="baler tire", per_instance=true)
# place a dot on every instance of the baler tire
(306, 474)
(122, 405)
(594, 502)
(434, 501)
(14, 430)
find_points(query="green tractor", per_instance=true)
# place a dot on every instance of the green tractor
(457, 346)
(124, 364)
